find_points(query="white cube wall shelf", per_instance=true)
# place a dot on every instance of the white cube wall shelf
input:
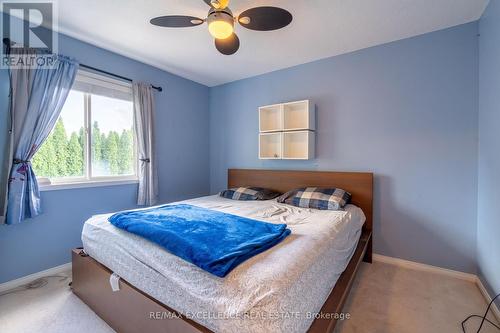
(287, 131)
(271, 118)
(270, 146)
(298, 145)
(298, 116)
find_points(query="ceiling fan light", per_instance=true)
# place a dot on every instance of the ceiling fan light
(220, 25)
(220, 29)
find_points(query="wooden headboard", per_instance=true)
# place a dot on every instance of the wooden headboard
(359, 184)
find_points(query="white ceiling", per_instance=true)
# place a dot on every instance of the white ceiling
(320, 29)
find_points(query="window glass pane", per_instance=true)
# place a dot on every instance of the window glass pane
(112, 142)
(62, 154)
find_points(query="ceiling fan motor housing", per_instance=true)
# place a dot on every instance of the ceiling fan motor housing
(220, 15)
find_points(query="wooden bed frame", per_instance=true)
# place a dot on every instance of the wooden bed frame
(130, 310)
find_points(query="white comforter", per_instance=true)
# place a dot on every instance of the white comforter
(275, 291)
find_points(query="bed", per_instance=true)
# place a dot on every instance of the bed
(281, 289)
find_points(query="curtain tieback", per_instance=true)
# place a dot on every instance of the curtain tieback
(18, 161)
(145, 160)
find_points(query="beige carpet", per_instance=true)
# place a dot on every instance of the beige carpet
(389, 299)
(50, 309)
(384, 299)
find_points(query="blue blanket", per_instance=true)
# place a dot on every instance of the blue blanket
(214, 241)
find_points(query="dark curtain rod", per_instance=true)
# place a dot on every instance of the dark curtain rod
(115, 75)
(8, 43)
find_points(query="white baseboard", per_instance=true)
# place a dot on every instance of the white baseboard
(28, 278)
(424, 267)
(487, 297)
(443, 271)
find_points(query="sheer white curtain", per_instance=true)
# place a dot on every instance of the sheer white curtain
(144, 131)
(37, 97)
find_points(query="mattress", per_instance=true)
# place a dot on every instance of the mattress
(278, 290)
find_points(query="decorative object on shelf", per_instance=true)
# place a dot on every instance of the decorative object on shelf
(287, 131)
(221, 22)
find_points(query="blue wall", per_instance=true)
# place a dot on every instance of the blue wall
(181, 138)
(488, 231)
(406, 111)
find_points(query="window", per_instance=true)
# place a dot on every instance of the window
(93, 140)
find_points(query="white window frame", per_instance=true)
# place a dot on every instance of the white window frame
(88, 180)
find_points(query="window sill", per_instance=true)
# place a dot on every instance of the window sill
(86, 184)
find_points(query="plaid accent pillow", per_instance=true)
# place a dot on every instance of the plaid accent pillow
(318, 198)
(249, 193)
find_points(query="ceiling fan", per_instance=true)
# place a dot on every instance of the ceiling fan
(221, 22)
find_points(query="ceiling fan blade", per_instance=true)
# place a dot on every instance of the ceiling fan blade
(265, 18)
(229, 45)
(217, 4)
(176, 21)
